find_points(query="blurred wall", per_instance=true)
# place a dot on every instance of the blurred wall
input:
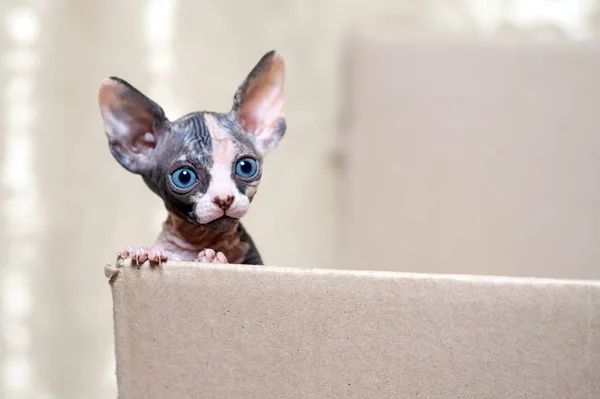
(480, 157)
(67, 206)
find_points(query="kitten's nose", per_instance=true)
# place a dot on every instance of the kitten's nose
(224, 202)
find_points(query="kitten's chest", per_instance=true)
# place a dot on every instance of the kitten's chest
(187, 243)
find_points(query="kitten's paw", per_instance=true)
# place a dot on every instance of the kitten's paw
(141, 254)
(210, 256)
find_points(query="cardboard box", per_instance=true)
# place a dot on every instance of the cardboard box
(189, 331)
(466, 155)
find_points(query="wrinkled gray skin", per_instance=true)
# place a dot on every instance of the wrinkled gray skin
(203, 219)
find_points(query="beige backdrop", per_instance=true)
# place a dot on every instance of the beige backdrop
(67, 206)
(473, 156)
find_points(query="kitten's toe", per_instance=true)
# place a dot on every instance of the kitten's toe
(158, 255)
(208, 255)
(221, 258)
(126, 252)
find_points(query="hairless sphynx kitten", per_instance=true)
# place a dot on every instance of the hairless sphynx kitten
(205, 166)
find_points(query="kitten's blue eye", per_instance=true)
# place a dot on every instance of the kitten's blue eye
(246, 168)
(184, 178)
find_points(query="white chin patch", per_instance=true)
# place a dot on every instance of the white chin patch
(206, 211)
(239, 208)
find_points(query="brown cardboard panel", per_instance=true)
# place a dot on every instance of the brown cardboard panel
(189, 331)
(478, 156)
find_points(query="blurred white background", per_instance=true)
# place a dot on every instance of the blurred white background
(67, 206)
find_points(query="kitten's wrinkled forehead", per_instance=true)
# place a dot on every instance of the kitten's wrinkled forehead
(210, 137)
(193, 130)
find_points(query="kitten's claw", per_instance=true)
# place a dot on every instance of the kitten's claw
(141, 254)
(157, 254)
(210, 256)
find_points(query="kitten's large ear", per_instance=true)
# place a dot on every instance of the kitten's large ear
(133, 123)
(258, 103)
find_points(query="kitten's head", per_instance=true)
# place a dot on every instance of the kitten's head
(206, 166)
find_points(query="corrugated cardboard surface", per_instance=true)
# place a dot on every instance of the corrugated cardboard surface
(190, 331)
(472, 156)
